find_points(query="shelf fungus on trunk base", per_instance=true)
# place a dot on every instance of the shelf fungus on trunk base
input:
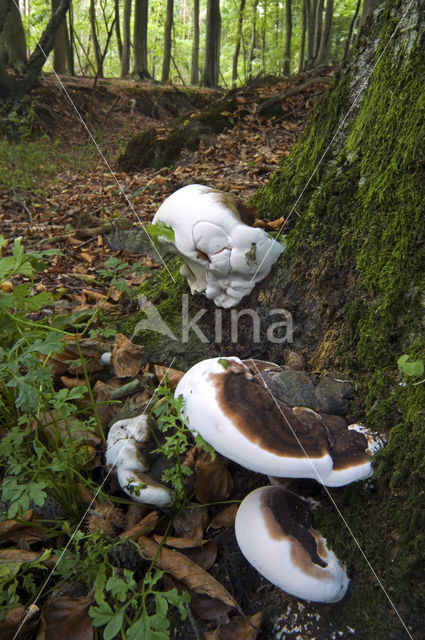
(274, 531)
(124, 452)
(230, 405)
(224, 257)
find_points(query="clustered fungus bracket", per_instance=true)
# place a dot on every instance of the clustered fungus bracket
(228, 402)
(224, 257)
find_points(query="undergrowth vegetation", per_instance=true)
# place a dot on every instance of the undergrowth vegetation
(47, 453)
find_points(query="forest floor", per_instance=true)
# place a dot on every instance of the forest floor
(69, 211)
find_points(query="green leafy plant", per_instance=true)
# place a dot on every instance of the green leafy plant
(167, 413)
(160, 230)
(411, 368)
(115, 270)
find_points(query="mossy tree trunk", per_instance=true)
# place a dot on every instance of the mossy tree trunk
(353, 193)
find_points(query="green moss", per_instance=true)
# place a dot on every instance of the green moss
(361, 223)
(164, 292)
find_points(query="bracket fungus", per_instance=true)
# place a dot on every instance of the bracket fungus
(274, 531)
(228, 402)
(223, 256)
(124, 451)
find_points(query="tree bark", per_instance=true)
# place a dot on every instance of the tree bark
(12, 37)
(318, 25)
(325, 42)
(288, 38)
(118, 28)
(166, 61)
(71, 41)
(238, 44)
(310, 30)
(194, 76)
(302, 38)
(125, 56)
(211, 71)
(140, 40)
(61, 44)
(350, 31)
(253, 37)
(95, 40)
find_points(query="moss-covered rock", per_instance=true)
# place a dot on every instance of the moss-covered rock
(354, 191)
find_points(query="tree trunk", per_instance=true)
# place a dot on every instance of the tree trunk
(61, 46)
(310, 30)
(125, 56)
(302, 39)
(288, 38)
(253, 37)
(369, 7)
(318, 24)
(350, 31)
(194, 76)
(95, 40)
(325, 42)
(211, 71)
(12, 37)
(353, 192)
(118, 28)
(12, 87)
(71, 41)
(140, 40)
(238, 44)
(166, 61)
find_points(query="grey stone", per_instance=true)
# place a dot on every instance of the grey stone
(333, 395)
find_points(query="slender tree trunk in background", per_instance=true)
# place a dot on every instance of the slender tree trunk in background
(96, 47)
(12, 36)
(310, 31)
(166, 60)
(325, 42)
(61, 46)
(253, 37)
(302, 39)
(238, 44)
(118, 28)
(194, 76)
(350, 31)
(211, 71)
(318, 27)
(140, 40)
(71, 41)
(125, 56)
(288, 38)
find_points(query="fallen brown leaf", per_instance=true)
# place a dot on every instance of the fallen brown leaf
(239, 628)
(173, 375)
(66, 618)
(191, 523)
(24, 556)
(204, 556)
(21, 529)
(15, 617)
(213, 479)
(126, 357)
(226, 517)
(144, 526)
(186, 571)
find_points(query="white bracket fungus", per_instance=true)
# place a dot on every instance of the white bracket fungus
(223, 257)
(274, 532)
(234, 411)
(124, 452)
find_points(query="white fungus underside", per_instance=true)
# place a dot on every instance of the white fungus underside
(203, 223)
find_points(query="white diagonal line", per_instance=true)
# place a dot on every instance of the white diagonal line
(333, 502)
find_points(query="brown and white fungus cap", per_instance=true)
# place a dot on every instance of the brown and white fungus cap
(274, 532)
(233, 410)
